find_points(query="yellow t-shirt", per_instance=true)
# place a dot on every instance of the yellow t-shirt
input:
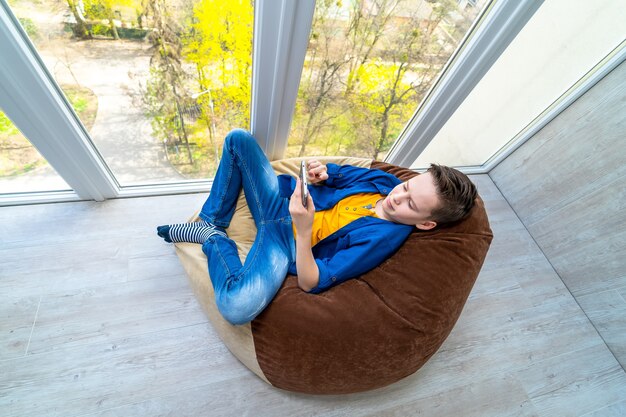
(327, 222)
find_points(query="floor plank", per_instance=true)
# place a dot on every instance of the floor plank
(111, 312)
(557, 388)
(88, 378)
(17, 318)
(613, 410)
(607, 310)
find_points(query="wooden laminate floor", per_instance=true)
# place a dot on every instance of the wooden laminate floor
(97, 318)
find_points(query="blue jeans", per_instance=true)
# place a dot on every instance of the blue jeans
(243, 291)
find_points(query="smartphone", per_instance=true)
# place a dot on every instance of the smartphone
(304, 182)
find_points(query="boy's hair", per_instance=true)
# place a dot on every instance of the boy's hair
(455, 191)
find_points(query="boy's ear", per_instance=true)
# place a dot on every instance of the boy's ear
(426, 225)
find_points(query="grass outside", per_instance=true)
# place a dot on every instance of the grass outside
(203, 162)
(18, 156)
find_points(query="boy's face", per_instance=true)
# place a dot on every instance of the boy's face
(412, 202)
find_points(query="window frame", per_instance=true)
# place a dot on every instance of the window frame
(32, 99)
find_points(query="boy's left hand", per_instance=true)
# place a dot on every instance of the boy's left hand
(316, 171)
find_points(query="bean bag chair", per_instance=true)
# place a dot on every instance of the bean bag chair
(367, 332)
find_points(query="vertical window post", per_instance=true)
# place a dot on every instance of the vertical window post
(281, 36)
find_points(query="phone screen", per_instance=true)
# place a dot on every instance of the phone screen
(304, 182)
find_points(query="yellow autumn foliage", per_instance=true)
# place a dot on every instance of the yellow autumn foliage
(220, 45)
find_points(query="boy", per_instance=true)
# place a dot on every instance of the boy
(354, 220)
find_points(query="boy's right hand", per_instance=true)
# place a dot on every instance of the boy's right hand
(301, 216)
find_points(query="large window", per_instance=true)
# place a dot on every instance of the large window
(156, 83)
(368, 66)
(133, 97)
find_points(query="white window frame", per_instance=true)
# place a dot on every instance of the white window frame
(281, 34)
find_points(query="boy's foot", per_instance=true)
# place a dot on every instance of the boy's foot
(196, 232)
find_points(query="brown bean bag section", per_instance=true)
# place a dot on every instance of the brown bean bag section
(367, 332)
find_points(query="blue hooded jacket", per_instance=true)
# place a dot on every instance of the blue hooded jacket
(364, 243)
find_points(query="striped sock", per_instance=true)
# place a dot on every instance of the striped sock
(163, 231)
(198, 223)
(196, 232)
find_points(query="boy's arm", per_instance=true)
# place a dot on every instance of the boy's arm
(341, 176)
(364, 251)
(308, 272)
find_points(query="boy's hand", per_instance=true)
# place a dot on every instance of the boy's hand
(308, 271)
(316, 171)
(302, 216)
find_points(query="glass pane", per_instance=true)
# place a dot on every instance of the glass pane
(22, 168)
(526, 80)
(368, 66)
(166, 79)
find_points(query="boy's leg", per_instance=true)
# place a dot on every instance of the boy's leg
(243, 165)
(243, 291)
